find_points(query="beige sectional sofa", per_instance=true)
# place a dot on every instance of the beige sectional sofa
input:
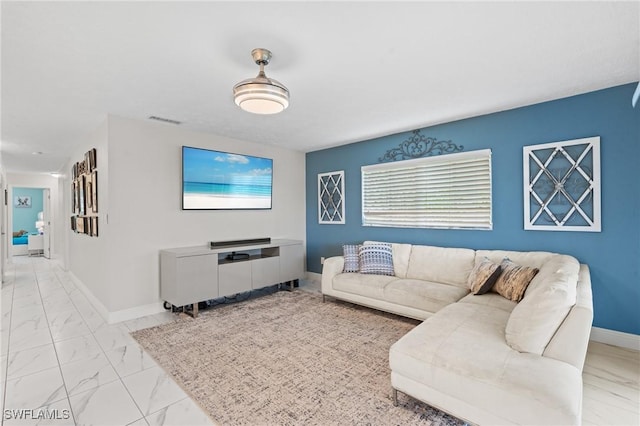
(482, 358)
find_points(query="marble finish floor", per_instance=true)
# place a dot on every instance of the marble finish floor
(60, 359)
(58, 355)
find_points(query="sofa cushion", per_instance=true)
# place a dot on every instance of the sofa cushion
(461, 352)
(492, 300)
(441, 265)
(425, 295)
(401, 255)
(376, 259)
(483, 276)
(558, 263)
(363, 285)
(351, 254)
(534, 321)
(513, 280)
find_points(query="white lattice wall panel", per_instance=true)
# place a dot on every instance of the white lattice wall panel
(331, 198)
(562, 186)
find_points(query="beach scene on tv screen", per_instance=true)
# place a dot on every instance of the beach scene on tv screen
(221, 180)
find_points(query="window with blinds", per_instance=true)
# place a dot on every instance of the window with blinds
(445, 191)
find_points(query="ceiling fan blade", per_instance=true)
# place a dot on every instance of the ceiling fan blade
(636, 95)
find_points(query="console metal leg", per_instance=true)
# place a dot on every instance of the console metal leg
(324, 298)
(394, 393)
(194, 310)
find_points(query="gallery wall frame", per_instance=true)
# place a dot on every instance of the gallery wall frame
(562, 186)
(94, 191)
(84, 199)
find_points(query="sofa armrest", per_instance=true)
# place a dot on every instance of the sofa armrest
(332, 266)
(570, 342)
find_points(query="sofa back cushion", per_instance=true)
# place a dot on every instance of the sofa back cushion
(532, 259)
(546, 303)
(441, 264)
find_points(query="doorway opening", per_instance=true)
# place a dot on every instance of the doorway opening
(30, 222)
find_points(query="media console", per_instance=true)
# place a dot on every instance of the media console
(189, 275)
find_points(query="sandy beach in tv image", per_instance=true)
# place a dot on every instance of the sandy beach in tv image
(220, 180)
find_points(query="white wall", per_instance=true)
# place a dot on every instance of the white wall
(4, 234)
(87, 257)
(57, 215)
(142, 214)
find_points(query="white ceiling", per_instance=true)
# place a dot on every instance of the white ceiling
(355, 70)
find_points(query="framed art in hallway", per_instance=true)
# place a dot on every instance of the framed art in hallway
(92, 160)
(80, 224)
(94, 226)
(88, 190)
(94, 191)
(74, 197)
(81, 196)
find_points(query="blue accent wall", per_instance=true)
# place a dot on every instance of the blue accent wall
(613, 255)
(24, 217)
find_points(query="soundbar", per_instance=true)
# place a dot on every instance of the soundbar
(216, 244)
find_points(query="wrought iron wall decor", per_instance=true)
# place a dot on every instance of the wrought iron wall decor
(418, 146)
(562, 186)
(84, 195)
(331, 198)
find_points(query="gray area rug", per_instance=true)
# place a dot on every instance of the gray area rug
(289, 359)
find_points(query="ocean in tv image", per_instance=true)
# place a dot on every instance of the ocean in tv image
(222, 180)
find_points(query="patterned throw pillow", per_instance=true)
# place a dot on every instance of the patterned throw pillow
(483, 276)
(351, 253)
(376, 259)
(513, 280)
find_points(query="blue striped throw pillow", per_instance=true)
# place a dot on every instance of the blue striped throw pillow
(376, 259)
(351, 257)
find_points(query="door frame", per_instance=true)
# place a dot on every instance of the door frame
(46, 205)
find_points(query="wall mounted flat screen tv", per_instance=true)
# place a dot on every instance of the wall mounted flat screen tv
(216, 180)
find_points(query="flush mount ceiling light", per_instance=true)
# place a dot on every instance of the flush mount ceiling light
(261, 95)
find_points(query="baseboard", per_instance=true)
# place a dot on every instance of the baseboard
(615, 338)
(97, 304)
(314, 276)
(136, 312)
(116, 316)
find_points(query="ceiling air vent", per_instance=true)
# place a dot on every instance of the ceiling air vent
(164, 120)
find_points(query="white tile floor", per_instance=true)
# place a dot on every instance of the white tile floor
(59, 358)
(58, 355)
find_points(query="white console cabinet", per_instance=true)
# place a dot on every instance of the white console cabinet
(189, 275)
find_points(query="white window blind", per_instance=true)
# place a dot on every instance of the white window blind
(445, 191)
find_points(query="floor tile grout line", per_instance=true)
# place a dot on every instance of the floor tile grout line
(6, 367)
(53, 343)
(104, 353)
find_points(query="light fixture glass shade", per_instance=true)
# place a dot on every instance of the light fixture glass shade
(261, 95)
